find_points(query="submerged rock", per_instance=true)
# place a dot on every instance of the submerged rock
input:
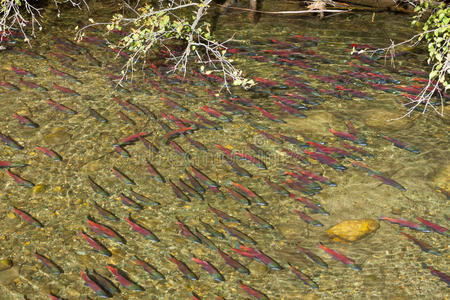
(38, 189)
(386, 119)
(352, 230)
(442, 179)
(92, 167)
(57, 136)
(316, 123)
(5, 264)
(9, 275)
(257, 268)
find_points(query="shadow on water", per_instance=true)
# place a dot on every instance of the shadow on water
(253, 16)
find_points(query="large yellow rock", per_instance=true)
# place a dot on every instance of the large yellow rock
(352, 230)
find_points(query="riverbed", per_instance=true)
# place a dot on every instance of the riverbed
(304, 61)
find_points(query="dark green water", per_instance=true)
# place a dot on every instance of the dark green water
(391, 264)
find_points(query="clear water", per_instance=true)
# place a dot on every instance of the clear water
(391, 264)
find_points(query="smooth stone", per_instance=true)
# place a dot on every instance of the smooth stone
(397, 210)
(352, 230)
(59, 189)
(293, 257)
(384, 119)
(117, 255)
(57, 136)
(442, 179)
(257, 268)
(23, 112)
(92, 167)
(27, 133)
(37, 189)
(9, 275)
(317, 122)
(5, 264)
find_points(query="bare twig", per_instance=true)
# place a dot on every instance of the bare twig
(17, 15)
(432, 87)
(288, 12)
(197, 48)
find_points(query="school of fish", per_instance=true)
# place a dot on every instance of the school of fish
(170, 124)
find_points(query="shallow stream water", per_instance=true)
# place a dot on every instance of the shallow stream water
(62, 198)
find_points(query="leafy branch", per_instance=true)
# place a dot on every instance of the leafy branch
(16, 15)
(435, 31)
(174, 24)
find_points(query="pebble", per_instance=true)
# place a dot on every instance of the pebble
(397, 210)
(22, 112)
(37, 189)
(117, 255)
(257, 268)
(58, 189)
(352, 230)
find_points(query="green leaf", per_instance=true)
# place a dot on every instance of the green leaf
(433, 74)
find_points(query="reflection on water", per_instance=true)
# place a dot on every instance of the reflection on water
(308, 83)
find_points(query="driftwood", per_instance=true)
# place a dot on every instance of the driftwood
(338, 7)
(392, 5)
(374, 3)
(286, 12)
